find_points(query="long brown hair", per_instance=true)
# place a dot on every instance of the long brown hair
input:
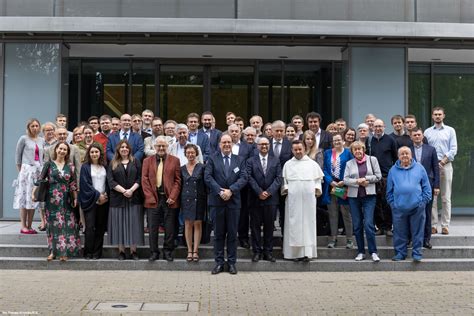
(117, 158)
(55, 155)
(28, 123)
(87, 158)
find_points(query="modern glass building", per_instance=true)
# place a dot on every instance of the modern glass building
(342, 58)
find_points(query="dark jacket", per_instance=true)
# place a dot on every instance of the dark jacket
(429, 160)
(214, 138)
(259, 182)
(215, 178)
(125, 178)
(285, 151)
(328, 178)
(88, 195)
(203, 142)
(385, 150)
(135, 140)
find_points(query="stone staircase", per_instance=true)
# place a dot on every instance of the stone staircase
(449, 253)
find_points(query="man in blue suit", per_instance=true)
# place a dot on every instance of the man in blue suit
(135, 140)
(280, 148)
(196, 136)
(212, 133)
(264, 172)
(225, 175)
(426, 156)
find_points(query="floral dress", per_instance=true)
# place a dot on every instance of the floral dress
(61, 228)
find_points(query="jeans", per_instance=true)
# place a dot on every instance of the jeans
(404, 223)
(362, 211)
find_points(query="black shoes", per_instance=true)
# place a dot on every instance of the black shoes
(168, 256)
(218, 269)
(121, 256)
(427, 245)
(256, 257)
(232, 269)
(244, 243)
(154, 256)
(134, 256)
(269, 257)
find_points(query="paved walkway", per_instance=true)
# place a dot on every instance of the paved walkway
(250, 293)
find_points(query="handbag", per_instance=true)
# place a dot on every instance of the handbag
(340, 192)
(41, 190)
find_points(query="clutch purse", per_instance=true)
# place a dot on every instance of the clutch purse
(340, 192)
(40, 191)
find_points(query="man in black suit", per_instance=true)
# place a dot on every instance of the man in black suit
(426, 155)
(280, 148)
(323, 138)
(213, 133)
(244, 151)
(264, 172)
(225, 176)
(197, 137)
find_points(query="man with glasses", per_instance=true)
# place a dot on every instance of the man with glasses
(264, 181)
(156, 130)
(137, 123)
(125, 133)
(384, 148)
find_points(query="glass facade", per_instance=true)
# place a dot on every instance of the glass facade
(449, 86)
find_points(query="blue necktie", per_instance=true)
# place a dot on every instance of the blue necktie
(125, 136)
(226, 165)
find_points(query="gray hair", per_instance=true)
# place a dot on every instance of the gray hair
(362, 125)
(161, 138)
(233, 125)
(278, 123)
(250, 129)
(181, 126)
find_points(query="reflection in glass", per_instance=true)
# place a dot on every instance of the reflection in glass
(181, 91)
(143, 87)
(104, 88)
(269, 91)
(73, 92)
(231, 90)
(308, 88)
(419, 101)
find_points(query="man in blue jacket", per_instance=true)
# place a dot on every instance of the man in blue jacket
(408, 192)
(225, 176)
(135, 140)
(427, 157)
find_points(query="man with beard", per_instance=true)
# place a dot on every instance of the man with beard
(212, 133)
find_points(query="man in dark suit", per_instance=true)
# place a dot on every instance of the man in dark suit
(244, 151)
(264, 172)
(196, 137)
(426, 155)
(135, 140)
(161, 184)
(213, 134)
(280, 148)
(225, 175)
(323, 138)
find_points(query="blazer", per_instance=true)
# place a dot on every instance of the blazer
(171, 181)
(135, 140)
(429, 160)
(125, 178)
(351, 174)
(88, 195)
(259, 182)
(344, 158)
(214, 138)
(215, 178)
(285, 151)
(245, 150)
(203, 143)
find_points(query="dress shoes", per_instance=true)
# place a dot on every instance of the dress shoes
(168, 256)
(218, 269)
(134, 256)
(121, 256)
(154, 256)
(256, 257)
(232, 269)
(269, 257)
(427, 245)
(244, 244)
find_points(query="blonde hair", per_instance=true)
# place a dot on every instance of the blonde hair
(357, 144)
(28, 123)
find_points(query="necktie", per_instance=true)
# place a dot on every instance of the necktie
(226, 165)
(276, 150)
(264, 165)
(159, 173)
(125, 136)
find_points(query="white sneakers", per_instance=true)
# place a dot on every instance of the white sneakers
(361, 256)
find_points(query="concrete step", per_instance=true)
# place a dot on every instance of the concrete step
(328, 265)
(206, 251)
(437, 240)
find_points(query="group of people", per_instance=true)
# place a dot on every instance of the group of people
(110, 174)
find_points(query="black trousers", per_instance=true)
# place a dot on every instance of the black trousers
(427, 230)
(225, 221)
(96, 224)
(170, 217)
(258, 216)
(244, 216)
(383, 212)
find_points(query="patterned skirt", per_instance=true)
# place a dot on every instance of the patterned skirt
(24, 185)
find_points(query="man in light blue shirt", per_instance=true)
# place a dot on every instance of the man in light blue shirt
(443, 138)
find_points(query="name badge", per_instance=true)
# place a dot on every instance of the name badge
(236, 169)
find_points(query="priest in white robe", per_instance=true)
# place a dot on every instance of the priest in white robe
(302, 178)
